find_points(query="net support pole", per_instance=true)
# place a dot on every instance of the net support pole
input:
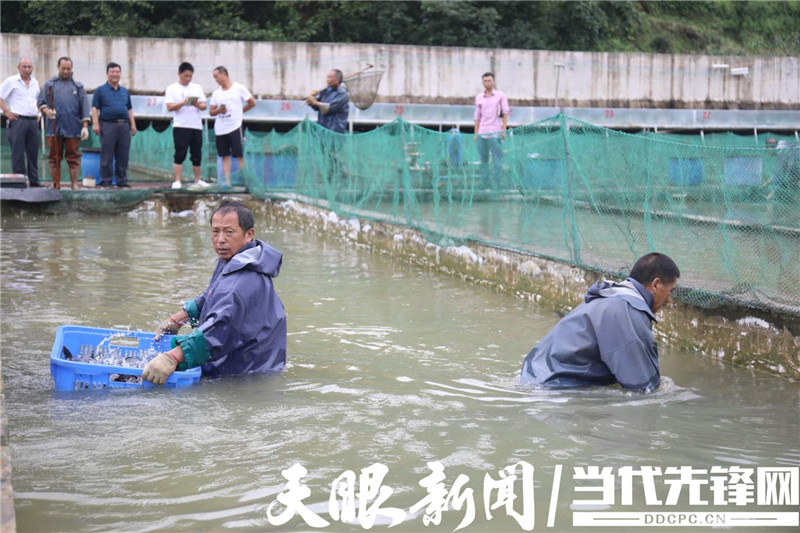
(648, 194)
(350, 117)
(569, 202)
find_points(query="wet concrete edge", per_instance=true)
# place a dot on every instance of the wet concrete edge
(755, 339)
(8, 523)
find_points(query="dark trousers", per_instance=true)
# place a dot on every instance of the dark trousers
(23, 136)
(115, 143)
(490, 176)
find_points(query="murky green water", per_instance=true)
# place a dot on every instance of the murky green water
(388, 364)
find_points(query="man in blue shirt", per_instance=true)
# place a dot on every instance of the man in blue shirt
(332, 103)
(608, 338)
(112, 119)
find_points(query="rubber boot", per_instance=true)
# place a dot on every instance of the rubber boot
(73, 178)
(55, 177)
(55, 170)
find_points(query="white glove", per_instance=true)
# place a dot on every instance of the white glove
(159, 369)
(84, 133)
(51, 113)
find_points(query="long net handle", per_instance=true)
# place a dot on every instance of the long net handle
(347, 77)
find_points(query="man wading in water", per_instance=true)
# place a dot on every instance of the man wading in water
(609, 337)
(240, 320)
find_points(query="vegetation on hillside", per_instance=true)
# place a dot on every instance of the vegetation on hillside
(716, 28)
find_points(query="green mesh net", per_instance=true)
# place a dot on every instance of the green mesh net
(723, 206)
(726, 208)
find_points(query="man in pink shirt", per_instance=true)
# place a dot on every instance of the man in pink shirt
(491, 121)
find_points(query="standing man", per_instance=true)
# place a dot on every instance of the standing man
(112, 119)
(491, 122)
(608, 338)
(18, 97)
(185, 100)
(62, 100)
(786, 177)
(228, 104)
(332, 103)
(239, 319)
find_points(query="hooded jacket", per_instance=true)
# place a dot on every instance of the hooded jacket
(240, 320)
(607, 339)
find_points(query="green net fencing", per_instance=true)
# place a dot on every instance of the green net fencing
(569, 191)
(726, 208)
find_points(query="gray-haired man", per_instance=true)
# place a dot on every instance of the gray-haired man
(18, 97)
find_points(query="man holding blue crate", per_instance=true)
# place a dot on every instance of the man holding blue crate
(239, 319)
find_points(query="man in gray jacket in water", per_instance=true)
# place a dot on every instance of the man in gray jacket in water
(608, 338)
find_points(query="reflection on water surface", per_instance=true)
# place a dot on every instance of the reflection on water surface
(388, 364)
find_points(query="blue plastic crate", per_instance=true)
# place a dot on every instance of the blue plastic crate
(75, 375)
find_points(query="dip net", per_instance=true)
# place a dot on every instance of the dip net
(363, 87)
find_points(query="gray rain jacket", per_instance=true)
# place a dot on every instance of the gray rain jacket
(69, 101)
(607, 339)
(241, 323)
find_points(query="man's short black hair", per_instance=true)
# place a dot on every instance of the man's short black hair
(488, 74)
(339, 74)
(246, 220)
(222, 70)
(63, 58)
(112, 65)
(655, 265)
(184, 67)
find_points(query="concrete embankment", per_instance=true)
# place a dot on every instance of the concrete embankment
(8, 522)
(756, 339)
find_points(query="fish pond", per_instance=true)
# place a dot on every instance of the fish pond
(389, 364)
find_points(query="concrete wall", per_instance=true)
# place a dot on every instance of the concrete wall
(420, 74)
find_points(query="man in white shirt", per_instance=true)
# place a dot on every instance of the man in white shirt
(185, 100)
(228, 104)
(18, 97)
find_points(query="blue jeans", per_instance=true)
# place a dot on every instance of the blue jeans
(490, 176)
